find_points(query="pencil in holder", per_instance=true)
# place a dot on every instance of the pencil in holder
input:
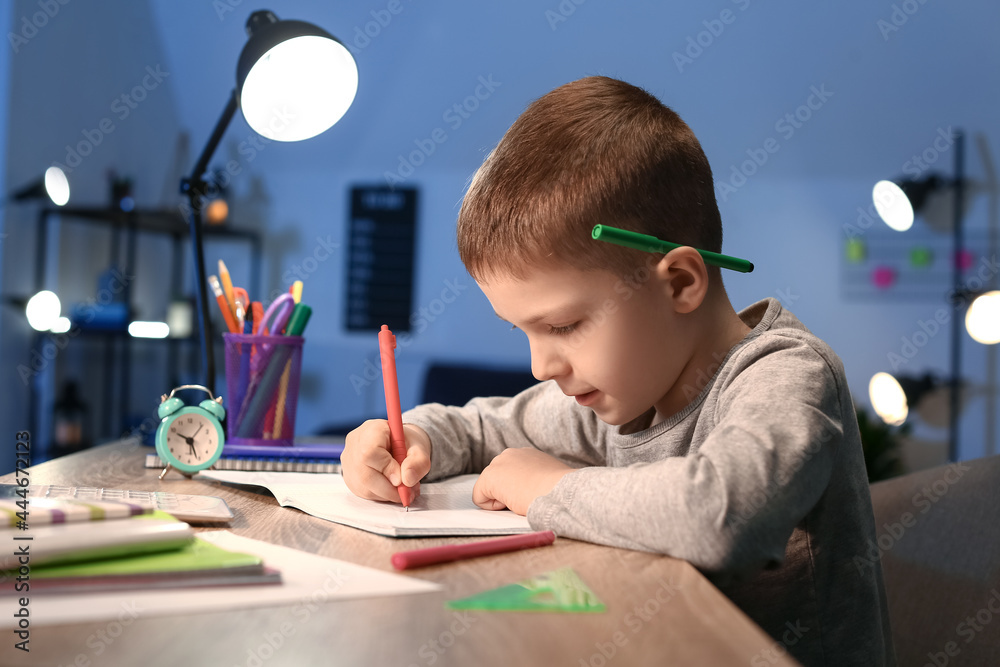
(262, 380)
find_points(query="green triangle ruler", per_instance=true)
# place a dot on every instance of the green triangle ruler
(558, 590)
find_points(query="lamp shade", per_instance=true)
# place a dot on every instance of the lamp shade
(888, 399)
(294, 80)
(895, 397)
(53, 185)
(42, 310)
(898, 203)
(982, 320)
(893, 205)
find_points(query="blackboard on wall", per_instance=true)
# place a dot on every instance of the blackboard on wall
(381, 233)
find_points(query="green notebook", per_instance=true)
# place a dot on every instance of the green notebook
(181, 562)
(194, 556)
(184, 553)
(559, 590)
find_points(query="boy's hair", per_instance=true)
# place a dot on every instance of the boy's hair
(593, 151)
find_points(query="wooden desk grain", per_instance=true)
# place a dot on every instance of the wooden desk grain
(660, 610)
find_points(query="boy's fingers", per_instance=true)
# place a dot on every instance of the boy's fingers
(379, 488)
(415, 466)
(381, 460)
(368, 467)
(370, 484)
(482, 496)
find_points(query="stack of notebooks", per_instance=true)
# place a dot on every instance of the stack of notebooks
(318, 457)
(126, 547)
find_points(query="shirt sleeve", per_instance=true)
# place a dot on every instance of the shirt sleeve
(730, 505)
(465, 439)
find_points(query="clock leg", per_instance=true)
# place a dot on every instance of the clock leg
(165, 471)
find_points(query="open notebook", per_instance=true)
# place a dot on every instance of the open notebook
(443, 508)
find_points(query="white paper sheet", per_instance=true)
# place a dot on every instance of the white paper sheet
(443, 508)
(303, 574)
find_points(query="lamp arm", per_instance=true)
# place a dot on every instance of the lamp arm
(201, 166)
(194, 188)
(32, 190)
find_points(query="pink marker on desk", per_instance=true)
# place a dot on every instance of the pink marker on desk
(386, 345)
(405, 560)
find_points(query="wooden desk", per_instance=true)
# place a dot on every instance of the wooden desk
(659, 610)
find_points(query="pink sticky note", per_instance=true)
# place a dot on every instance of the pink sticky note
(883, 277)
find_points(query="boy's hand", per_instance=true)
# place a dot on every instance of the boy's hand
(516, 477)
(369, 469)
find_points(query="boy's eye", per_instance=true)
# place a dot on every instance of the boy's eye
(558, 331)
(562, 331)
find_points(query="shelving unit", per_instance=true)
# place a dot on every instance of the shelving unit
(125, 226)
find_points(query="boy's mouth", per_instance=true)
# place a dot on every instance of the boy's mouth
(587, 398)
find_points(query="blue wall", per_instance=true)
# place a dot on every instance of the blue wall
(886, 93)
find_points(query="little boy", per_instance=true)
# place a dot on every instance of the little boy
(664, 420)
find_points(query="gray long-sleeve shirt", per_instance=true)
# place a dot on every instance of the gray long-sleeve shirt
(759, 482)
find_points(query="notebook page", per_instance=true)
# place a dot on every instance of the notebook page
(443, 509)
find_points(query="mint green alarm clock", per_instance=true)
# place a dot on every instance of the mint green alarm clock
(189, 438)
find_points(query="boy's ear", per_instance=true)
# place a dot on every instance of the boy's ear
(684, 278)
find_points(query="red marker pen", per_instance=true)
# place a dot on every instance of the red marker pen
(386, 345)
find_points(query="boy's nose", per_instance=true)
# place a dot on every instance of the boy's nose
(547, 362)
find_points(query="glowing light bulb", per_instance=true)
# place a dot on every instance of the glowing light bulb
(893, 205)
(299, 88)
(982, 320)
(888, 399)
(43, 310)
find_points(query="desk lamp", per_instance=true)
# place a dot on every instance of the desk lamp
(53, 185)
(893, 397)
(293, 81)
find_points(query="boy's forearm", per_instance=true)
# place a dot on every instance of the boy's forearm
(451, 445)
(466, 439)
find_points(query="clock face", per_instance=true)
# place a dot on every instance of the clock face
(192, 438)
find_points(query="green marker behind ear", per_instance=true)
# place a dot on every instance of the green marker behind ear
(647, 243)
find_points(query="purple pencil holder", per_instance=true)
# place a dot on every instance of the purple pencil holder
(262, 382)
